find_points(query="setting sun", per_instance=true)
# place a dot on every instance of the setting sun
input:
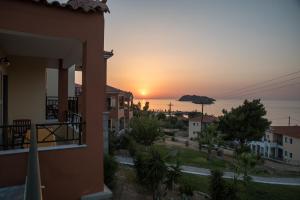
(143, 92)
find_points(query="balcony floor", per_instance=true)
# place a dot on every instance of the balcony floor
(14, 192)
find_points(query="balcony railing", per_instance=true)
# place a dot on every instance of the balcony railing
(52, 106)
(47, 134)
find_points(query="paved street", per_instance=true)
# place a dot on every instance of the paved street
(206, 172)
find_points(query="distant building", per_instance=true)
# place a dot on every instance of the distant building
(119, 106)
(195, 124)
(280, 143)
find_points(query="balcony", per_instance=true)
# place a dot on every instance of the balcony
(17, 136)
(52, 106)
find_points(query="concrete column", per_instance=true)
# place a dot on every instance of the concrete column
(106, 132)
(62, 91)
(93, 104)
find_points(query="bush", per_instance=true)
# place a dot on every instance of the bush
(216, 185)
(187, 143)
(173, 139)
(110, 169)
(145, 130)
(231, 192)
(186, 189)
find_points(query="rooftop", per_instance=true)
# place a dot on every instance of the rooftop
(78, 5)
(206, 119)
(292, 131)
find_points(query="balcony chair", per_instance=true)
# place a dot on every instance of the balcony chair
(20, 128)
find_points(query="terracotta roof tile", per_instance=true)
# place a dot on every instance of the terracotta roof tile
(292, 131)
(206, 119)
(84, 5)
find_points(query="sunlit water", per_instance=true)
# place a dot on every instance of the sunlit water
(278, 111)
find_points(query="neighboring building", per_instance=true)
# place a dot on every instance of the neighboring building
(65, 160)
(195, 124)
(119, 106)
(280, 143)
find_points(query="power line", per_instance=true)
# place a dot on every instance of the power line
(265, 86)
(259, 83)
(268, 89)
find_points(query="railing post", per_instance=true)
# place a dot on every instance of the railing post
(33, 180)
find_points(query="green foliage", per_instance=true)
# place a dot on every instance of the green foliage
(193, 114)
(113, 143)
(144, 130)
(161, 116)
(153, 172)
(244, 123)
(231, 192)
(243, 163)
(217, 185)
(209, 136)
(146, 106)
(173, 174)
(110, 169)
(137, 109)
(186, 190)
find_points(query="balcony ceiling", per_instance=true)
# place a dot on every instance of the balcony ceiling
(22, 44)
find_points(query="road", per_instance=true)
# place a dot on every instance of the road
(206, 172)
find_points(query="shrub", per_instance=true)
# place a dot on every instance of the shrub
(216, 185)
(187, 143)
(110, 168)
(145, 130)
(186, 189)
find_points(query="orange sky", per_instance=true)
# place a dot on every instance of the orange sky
(167, 49)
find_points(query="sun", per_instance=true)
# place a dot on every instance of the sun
(143, 92)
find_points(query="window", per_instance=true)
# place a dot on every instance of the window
(194, 124)
(291, 141)
(291, 155)
(285, 139)
(285, 153)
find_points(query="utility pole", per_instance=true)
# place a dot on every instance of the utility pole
(289, 120)
(170, 108)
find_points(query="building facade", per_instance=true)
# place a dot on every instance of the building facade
(280, 143)
(195, 124)
(119, 106)
(65, 160)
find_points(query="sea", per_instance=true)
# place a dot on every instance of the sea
(278, 111)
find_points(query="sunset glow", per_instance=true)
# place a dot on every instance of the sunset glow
(143, 92)
(204, 47)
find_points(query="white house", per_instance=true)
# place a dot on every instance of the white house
(280, 143)
(195, 124)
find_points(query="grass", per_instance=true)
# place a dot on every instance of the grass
(253, 191)
(198, 159)
(193, 158)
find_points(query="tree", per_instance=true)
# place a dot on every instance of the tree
(244, 123)
(217, 185)
(146, 106)
(110, 168)
(174, 172)
(151, 171)
(209, 137)
(144, 130)
(244, 163)
(161, 116)
(154, 173)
